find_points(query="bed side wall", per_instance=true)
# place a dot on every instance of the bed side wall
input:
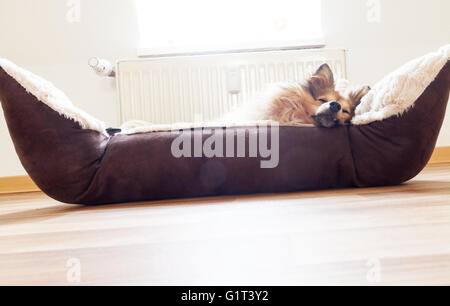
(59, 156)
(395, 150)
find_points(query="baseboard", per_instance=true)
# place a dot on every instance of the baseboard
(441, 155)
(17, 184)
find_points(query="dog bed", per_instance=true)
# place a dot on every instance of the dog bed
(73, 159)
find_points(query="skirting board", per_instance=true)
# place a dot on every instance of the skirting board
(19, 184)
(441, 155)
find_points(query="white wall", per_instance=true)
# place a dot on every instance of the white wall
(36, 35)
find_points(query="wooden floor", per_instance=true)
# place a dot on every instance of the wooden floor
(393, 235)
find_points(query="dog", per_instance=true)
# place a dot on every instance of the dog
(314, 101)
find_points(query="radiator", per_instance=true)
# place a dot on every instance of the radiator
(203, 88)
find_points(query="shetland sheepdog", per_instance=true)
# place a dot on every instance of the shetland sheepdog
(314, 101)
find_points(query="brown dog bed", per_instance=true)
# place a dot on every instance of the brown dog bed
(71, 158)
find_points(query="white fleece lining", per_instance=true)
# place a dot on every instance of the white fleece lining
(398, 91)
(140, 127)
(51, 96)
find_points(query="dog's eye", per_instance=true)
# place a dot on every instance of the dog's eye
(323, 100)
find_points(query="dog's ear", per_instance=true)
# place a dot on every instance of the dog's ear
(321, 81)
(325, 72)
(356, 95)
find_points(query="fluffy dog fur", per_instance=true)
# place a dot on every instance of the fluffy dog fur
(314, 101)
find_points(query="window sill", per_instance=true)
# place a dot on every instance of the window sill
(252, 47)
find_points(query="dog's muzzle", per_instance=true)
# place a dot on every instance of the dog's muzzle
(326, 114)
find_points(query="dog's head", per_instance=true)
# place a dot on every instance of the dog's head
(334, 108)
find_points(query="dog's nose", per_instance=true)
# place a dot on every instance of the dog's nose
(335, 107)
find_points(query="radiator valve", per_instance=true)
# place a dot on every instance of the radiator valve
(102, 67)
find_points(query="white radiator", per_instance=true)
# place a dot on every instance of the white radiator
(202, 88)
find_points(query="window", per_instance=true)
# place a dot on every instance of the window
(190, 26)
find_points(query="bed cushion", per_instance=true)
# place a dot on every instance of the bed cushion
(73, 160)
(398, 91)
